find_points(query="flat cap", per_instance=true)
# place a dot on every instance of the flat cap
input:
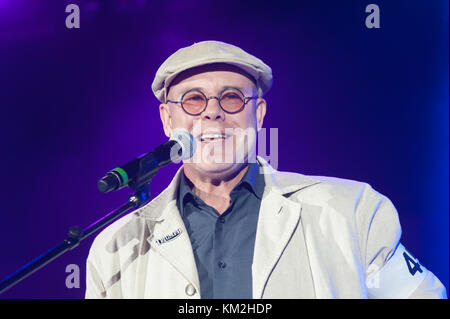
(208, 52)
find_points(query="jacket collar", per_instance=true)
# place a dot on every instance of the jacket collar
(284, 183)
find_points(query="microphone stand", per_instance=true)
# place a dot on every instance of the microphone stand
(140, 197)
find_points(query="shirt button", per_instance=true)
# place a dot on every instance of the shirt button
(221, 264)
(190, 290)
(222, 220)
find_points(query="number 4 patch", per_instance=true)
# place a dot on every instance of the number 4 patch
(413, 266)
(397, 280)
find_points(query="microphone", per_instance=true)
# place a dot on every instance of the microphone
(181, 146)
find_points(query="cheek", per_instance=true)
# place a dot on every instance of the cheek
(246, 134)
(248, 119)
(181, 121)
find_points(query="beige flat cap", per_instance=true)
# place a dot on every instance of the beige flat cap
(208, 52)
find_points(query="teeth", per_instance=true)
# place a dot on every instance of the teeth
(211, 136)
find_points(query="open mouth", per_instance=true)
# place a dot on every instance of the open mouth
(212, 137)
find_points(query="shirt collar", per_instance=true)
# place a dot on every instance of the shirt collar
(252, 178)
(255, 179)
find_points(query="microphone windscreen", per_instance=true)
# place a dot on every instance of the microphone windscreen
(186, 141)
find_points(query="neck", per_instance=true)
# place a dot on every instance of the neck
(214, 191)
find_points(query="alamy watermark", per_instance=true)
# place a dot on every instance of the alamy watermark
(73, 19)
(73, 279)
(231, 145)
(373, 19)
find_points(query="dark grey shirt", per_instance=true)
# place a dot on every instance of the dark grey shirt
(223, 244)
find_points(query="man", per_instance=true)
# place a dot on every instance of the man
(239, 228)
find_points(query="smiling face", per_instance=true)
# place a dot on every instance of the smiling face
(225, 141)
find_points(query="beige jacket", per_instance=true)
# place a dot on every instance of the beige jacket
(317, 237)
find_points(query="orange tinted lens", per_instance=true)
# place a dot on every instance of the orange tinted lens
(232, 100)
(194, 102)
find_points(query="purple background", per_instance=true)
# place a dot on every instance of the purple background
(351, 102)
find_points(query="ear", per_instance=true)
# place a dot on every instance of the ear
(260, 112)
(166, 118)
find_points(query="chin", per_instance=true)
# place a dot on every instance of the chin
(213, 167)
(215, 170)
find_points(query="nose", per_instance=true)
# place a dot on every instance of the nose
(213, 110)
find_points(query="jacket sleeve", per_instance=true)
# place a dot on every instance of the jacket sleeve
(94, 284)
(392, 272)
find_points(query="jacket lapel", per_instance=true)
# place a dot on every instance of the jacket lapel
(277, 221)
(172, 242)
(169, 236)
